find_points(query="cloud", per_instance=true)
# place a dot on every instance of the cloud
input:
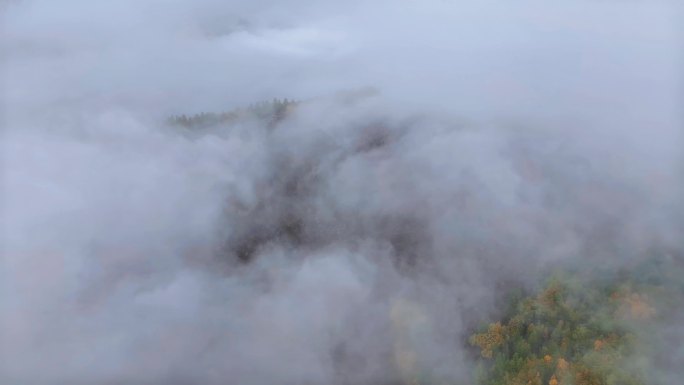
(505, 139)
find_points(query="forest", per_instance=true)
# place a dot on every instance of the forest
(575, 324)
(585, 328)
(270, 111)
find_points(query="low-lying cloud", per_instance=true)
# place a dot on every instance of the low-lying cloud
(505, 139)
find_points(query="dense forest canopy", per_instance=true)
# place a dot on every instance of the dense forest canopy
(270, 111)
(585, 330)
(576, 325)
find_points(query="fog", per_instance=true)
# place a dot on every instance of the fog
(502, 139)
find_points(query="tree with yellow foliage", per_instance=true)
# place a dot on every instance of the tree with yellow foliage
(562, 335)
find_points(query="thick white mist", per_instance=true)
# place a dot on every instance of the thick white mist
(506, 138)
